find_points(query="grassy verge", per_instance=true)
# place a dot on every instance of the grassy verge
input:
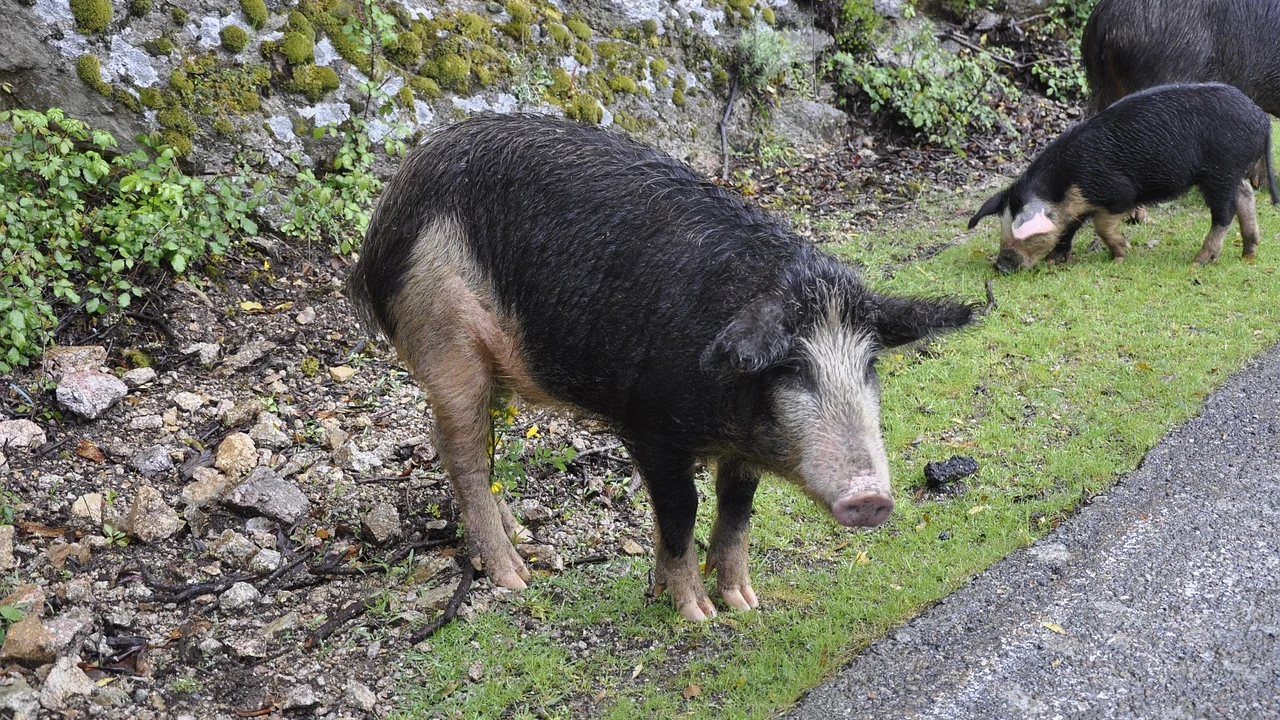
(1057, 393)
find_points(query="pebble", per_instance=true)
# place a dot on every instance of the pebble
(266, 493)
(7, 560)
(150, 519)
(382, 523)
(232, 547)
(237, 455)
(207, 353)
(265, 561)
(28, 642)
(152, 461)
(307, 316)
(18, 434)
(90, 393)
(341, 373)
(207, 485)
(188, 401)
(240, 595)
(359, 696)
(146, 422)
(139, 376)
(63, 359)
(64, 680)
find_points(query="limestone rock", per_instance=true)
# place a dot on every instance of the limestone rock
(28, 642)
(237, 455)
(90, 393)
(266, 493)
(151, 519)
(382, 523)
(18, 434)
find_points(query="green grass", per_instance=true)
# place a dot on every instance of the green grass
(1056, 394)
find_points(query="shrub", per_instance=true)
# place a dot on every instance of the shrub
(761, 56)
(255, 11)
(80, 231)
(335, 209)
(234, 39)
(92, 15)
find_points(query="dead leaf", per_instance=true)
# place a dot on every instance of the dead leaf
(862, 559)
(89, 451)
(636, 673)
(35, 528)
(978, 508)
(1054, 627)
(631, 547)
(251, 306)
(692, 691)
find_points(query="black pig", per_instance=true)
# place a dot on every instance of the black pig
(1150, 147)
(576, 267)
(1131, 45)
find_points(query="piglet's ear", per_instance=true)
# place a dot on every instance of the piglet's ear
(993, 205)
(899, 321)
(1032, 222)
(760, 336)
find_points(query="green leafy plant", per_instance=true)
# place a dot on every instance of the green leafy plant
(858, 24)
(335, 207)
(115, 536)
(80, 232)
(945, 96)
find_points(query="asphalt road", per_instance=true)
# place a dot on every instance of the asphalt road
(1166, 591)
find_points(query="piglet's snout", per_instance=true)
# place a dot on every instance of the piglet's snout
(864, 509)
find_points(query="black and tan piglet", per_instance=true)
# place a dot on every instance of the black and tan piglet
(1149, 147)
(579, 268)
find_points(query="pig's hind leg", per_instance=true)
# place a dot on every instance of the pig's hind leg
(668, 476)
(1247, 214)
(1223, 200)
(727, 555)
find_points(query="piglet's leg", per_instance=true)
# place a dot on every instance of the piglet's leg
(1108, 228)
(1247, 213)
(727, 555)
(669, 479)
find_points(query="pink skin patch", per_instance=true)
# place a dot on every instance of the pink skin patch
(1039, 224)
(867, 508)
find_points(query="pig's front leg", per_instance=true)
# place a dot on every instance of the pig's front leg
(668, 476)
(727, 554)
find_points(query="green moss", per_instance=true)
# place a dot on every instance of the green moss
(743, 7)
(180, 143)
(255, 11)
(608, 50)
(250, 100)
(125, 98)
(181, 82)
(766, 14)
(561, 84)
(451, 71)
(579, 27)
(151, 97)
(650, 27)
(426, 86)
(405, 96)
(92, 16)
(719, 76)
(89, 70)
(301, 127)
(406, 49)
(313, 81)
(626, 121)
(677, 97)
(267, 48)
(299, 23)
(160, 46)
(473, 27)
(298, 49)
(560, 35)
(178, 14)
(582, 53)
(341, 43)
(585, 108)
(135, 358)
(519, 11)
(139, 8)
(223, 126)
(484, 75)
(517, 31)
(622, 83)
(234, 39)
(309, 366)
(858, 24)
(178, 120)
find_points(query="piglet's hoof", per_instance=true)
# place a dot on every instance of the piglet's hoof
(691, 598)
(508, 571)
(740, 598)
(1203, 258)
(1249, 258)
(1118, 259)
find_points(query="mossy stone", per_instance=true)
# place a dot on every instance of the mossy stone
(426, 86)
(160, 46)
(89, 70)
(139, 8)
(561, 83)
(452, 71)
(298, 49)
(582, 53)
(677, 97)
(314, 81)
(473, 27)
(579, 27)
(178, 14)
(299, 23)
(405, 96)
(178, 120)
(223, 126)
(151, 97)
(249, 101)
(180, 143)
(406, 49)
(560, 35)
(622, 83)
(181, 82)
(585, 108)
(92, 16)
(256, 13)
(234, 38)
(125, 98)
(519, 11)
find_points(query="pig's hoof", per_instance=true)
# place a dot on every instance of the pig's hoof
(691, 599)
(1204, 258)
(741, 597)
(1249, 258)
(1118, 259)
(508, 570)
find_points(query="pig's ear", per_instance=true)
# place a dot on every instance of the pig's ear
(993, 205)
(1033, 220)
(899, 321)
(760, 336)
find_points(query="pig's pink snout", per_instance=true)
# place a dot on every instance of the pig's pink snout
(866, 509)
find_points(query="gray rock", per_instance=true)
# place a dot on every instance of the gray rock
(67, 626)
(543, 557)
(18, 697)
(238, 596)
(237, 455)
(7, 560)
(210, 646)
(232, 547)
(64, 680)
(248, 354)
(307, 316)
(356, 460)
(150, 519)
(207, 353)
(266, 493)
(269, 432)
(197, 520)
(206, 486)
(810, 123)
(146, 422)
(90, 393)
(284, 623)
(265, 561)
(241, 413)
(358, 695)
(382, 523)
(188, 401)
(89, 507)
(138, 377)
(152, 461)
(300, 696)
(18, 434)
(62, 359)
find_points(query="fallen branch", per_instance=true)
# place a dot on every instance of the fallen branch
(991, 297)
(724, 127)
(588, 560)
(455, 602)
(342, 617)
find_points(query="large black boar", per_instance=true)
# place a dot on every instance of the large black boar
(577, 267)
(1152, 146)
(1131, 45)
